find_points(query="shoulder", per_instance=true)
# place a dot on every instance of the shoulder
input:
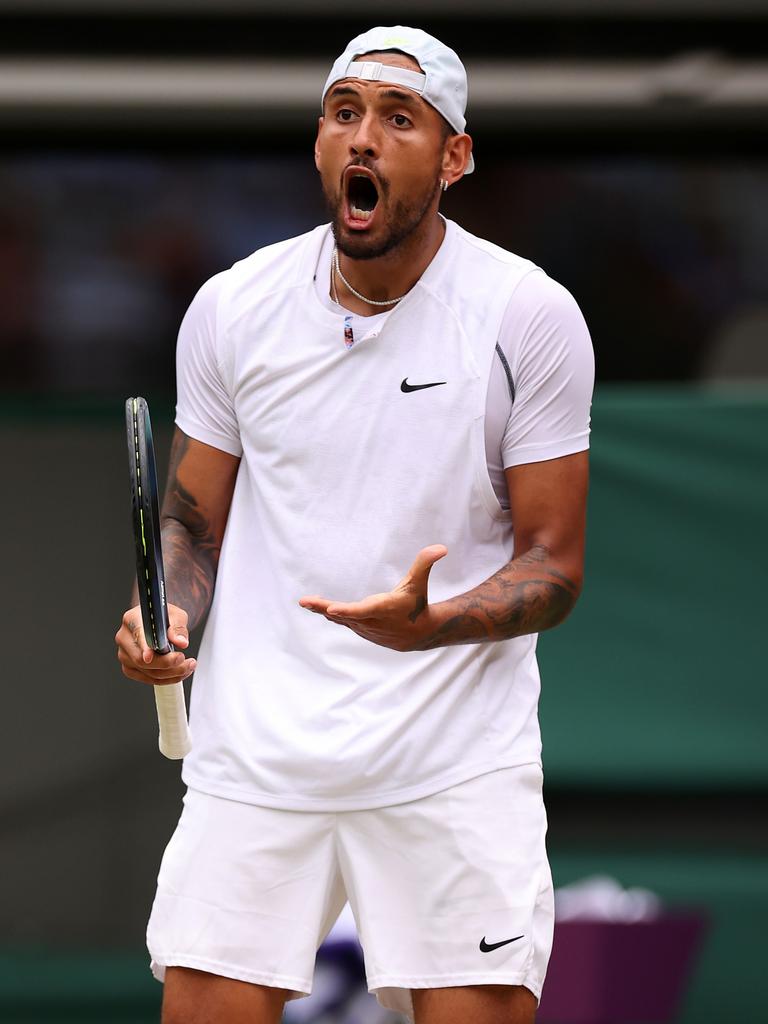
(526, 283)
(543, 327)
(278, 255)
(536, 290)
(484, 261)
(489, 254)
(273, 269)
(475, 277)
(540, 307)
(509, 294)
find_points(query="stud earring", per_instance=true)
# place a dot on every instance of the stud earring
(443, 184)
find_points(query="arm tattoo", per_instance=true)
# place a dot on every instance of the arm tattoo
(190, 547)
(421, 604)
(526, 596)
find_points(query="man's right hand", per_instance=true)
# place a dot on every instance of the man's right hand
(140, 662)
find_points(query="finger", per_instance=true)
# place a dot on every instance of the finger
(135, 651)
(160, 662)
(132, 622)
(315, 603)
(166, 665)
(163, 669)
(167, 662)
(140, 677)
(143, 677)
(172, 675)
(422, 564)
(356, 610)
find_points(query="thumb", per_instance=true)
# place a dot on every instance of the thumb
(418, 574)
(178, 633)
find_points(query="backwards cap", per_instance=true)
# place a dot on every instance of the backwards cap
(442, 81)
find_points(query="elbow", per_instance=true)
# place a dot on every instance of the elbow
(564, 591)
(565, 608)
(560, 605)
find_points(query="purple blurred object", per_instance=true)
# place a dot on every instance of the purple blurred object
(607, 972)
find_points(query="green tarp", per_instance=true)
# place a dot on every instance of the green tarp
(659, 677)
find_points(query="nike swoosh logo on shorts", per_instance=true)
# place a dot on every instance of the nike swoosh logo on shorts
(486, 947)
(405, 386)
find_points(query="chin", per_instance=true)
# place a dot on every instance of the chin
(361, 246)
(396, 226)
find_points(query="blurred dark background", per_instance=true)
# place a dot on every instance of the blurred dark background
(623, 147)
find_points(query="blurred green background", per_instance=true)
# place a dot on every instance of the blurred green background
(653, 702)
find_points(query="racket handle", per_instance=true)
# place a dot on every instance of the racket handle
(175, 740)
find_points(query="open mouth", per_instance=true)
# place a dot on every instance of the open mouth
(362, 196)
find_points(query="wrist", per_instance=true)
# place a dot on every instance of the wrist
(430, 624)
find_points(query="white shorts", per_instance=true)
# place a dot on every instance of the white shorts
(453, 889)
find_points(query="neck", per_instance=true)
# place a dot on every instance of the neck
(392, 275)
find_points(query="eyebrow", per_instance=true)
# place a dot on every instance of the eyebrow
(402, 97)
(342, 90)
(386, 94)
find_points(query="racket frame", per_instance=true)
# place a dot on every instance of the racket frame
(150, 575)
(174, 740)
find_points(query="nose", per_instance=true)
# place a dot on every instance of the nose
(365, 141)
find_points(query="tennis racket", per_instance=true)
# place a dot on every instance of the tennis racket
(174, 739)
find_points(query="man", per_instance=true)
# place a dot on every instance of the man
(384, 392)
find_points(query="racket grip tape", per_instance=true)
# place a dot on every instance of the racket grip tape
(174, 741)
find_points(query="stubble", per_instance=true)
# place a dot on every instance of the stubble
(404, 218)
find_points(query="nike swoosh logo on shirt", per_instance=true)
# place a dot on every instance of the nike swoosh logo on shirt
(486, 947)
(405, 386)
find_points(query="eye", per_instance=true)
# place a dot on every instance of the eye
(345, 114)
(401, 121)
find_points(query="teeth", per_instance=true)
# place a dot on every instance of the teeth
(359, 214)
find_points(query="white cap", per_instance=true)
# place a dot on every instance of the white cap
(442, 83)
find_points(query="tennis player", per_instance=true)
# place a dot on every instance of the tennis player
(380, 461)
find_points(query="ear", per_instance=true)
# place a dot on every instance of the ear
(320, 122)
(458, 149)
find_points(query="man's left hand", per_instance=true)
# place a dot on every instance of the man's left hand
(399, 619)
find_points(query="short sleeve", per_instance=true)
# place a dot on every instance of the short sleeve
(549, 353)
(204, 408)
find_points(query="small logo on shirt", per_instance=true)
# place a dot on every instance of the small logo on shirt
(405, 386)
(487, 947)
(349, 337)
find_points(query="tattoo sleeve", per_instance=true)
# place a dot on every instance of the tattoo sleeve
(527, 595)
(190, 547)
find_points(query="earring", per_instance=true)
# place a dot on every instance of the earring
(443, 184)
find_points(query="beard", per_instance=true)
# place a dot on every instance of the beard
(401, 221)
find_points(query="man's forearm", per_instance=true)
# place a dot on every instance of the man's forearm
(190, 569)
(529, 594)
(190, 545)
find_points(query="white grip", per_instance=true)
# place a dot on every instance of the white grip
(175, 740)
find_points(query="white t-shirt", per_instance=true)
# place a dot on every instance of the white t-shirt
(533, 410)
(344, 477)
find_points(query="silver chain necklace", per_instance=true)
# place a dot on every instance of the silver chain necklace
(371, 302)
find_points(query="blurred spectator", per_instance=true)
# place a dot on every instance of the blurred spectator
(100, 256)
(22, 364)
